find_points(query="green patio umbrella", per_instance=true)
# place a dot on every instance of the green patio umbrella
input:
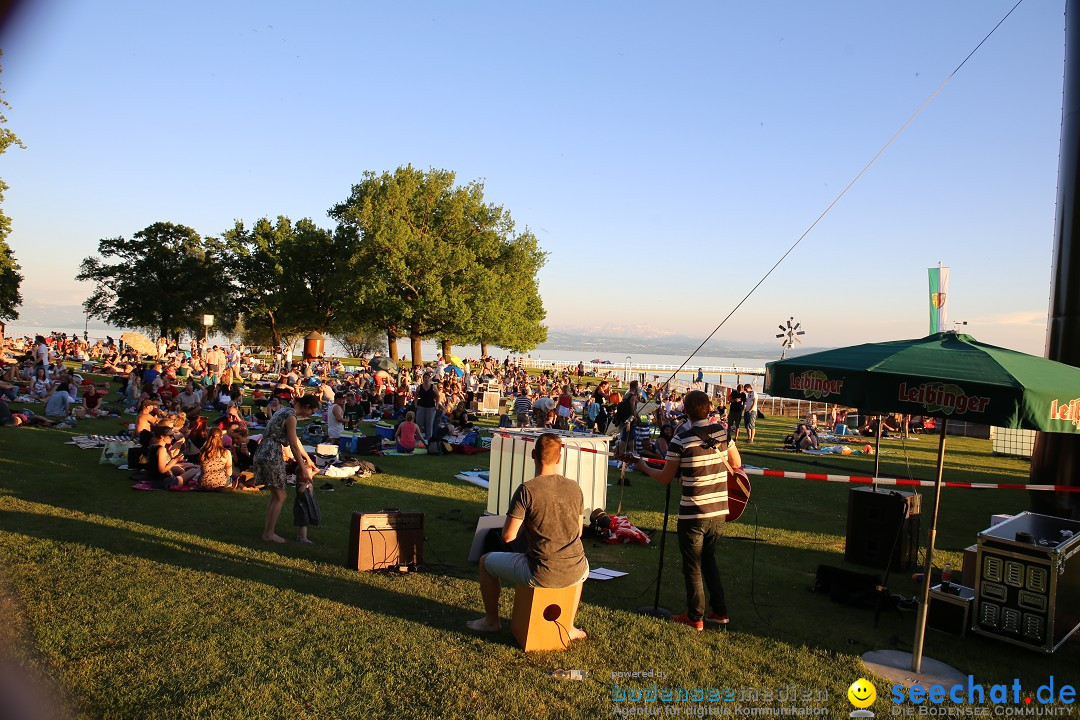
(381, 362)
(947, 376)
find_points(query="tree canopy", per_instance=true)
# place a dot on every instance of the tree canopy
(434, 256)
(10, 277)
(291, 278)
(413, 255)
(162, 280)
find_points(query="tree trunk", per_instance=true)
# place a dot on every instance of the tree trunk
(391, 344)
(447, 350)
(274, 332)
(483, 348)
(414, 338)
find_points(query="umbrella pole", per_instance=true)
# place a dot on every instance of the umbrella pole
(928, 566)
(877, 454)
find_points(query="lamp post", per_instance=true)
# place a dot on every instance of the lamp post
(207, 321)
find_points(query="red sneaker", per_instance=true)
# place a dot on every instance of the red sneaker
(685, 620)
(714, 619)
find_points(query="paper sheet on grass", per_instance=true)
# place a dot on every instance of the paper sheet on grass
(604, 574)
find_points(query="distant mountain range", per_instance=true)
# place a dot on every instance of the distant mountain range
(646, 339)
(599, 339)
(41, 315)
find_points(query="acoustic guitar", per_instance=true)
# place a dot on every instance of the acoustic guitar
(738, 493)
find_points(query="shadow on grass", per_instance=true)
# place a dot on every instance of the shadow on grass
(361, 593)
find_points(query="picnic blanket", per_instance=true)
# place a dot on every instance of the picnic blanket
(147, 486)
(479, 479)
(94, 442)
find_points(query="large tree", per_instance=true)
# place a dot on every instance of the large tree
(162, 280)
(433, 253)
(510, 313)
(10, 277)
(291, 278)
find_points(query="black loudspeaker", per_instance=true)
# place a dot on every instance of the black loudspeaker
(847, 587)
(883, 526)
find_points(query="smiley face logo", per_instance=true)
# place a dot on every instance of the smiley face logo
(861, 693)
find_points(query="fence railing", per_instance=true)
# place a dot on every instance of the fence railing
(793, 408)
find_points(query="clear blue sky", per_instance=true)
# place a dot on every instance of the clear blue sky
(664, 153)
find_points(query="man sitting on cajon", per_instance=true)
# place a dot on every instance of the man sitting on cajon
(551, 507)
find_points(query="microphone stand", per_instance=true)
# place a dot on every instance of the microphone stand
(655, 610)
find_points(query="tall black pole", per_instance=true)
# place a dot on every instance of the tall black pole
(1056, 458)
(655, 610)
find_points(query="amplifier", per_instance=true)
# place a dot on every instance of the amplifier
(883, 528)
(1027, 587)
(385, 539)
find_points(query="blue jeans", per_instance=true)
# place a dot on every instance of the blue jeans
(697, 545)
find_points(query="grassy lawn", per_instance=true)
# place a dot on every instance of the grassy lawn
(166, 605)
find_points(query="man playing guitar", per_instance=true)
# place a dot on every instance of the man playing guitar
(701, 456)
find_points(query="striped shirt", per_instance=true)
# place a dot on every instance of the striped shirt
(522, 405)
(702, 470)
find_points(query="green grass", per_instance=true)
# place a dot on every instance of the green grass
(166, 605)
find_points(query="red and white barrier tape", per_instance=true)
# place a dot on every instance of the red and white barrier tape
(864, 480)
(855, 479)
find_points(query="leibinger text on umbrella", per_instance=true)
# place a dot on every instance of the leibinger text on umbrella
(939, 397)
(1066, 411)
(815, 383)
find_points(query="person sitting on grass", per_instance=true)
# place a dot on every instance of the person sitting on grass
(149, 415)
(241, 449)
(196, 433)
(165, 464)
(40, 386)
(58, 400)
(459, 418)
(92, 401)
(216, 463)
(805, 438)
(550, 507)
(407, 435)
(190, 401)
(9, 390)
(651, 453)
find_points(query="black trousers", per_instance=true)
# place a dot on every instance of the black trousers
(697, 545)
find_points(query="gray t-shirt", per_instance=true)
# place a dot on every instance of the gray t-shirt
(552, 507)
(57, 404)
